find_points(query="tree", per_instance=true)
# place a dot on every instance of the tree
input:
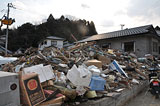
(28, 34)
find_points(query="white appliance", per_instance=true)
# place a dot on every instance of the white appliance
(9, 89)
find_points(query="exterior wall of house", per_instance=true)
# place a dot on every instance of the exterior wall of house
(44, 44)
(60, 44)
(142, 44)
(155, 52)
(48, 42)
(159, 48)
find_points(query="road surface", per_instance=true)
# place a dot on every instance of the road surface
(145, 98)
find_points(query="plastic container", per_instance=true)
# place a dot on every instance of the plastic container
(97, 83)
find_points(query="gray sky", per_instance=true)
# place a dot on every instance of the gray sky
(106, 14)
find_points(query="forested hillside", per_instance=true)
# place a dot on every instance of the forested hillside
(28, 35)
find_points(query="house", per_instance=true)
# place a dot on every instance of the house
(157, 28)
(140, 40)
(51, 41)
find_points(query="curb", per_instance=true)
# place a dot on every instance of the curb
(125, 96)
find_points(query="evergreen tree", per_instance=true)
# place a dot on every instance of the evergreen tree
(29, 35)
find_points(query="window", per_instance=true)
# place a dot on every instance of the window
(128, 46)
(155, 47)
(54, 43)
(107, 45)
(42, 43)
(45, 42)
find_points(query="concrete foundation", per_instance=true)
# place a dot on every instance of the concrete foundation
(125, 96)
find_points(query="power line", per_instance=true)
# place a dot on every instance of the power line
(2, 10)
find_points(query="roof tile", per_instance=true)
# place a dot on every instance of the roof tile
(120, 33)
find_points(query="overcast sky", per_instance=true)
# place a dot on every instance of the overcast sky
(106, 14)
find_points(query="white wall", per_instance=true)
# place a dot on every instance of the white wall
(141, 44)
(59, 44)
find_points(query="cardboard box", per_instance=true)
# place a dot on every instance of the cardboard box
(31, 90)
(94, 62)
(104, 60)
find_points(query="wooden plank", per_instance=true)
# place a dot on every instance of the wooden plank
(58, 100)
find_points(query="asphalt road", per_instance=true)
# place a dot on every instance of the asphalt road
(145, 98)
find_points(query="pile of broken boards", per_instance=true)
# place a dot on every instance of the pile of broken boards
(76, 74)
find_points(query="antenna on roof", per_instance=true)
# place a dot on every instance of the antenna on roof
(122, 25)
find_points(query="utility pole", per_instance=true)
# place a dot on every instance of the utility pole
(6, 45)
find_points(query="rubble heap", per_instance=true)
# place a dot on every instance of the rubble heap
(79, 73)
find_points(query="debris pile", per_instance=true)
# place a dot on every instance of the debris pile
(76, 74)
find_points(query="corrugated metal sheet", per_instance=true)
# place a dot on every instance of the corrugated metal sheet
(120, 33)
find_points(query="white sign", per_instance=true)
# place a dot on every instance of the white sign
(115, 66)
(45, 72)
